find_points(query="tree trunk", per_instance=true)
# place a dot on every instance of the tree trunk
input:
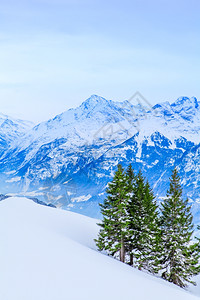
(122, 251)
(131, 259)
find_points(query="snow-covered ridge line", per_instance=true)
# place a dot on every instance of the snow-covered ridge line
(75, 154)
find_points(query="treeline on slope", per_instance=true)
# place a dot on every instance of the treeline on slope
(140, 234)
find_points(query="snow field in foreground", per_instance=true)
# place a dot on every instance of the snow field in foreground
(49, 254)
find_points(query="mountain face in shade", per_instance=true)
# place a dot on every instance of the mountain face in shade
(69, 160)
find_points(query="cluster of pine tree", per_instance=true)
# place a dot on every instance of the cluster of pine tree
(140, 234)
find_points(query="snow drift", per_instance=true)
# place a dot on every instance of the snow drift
(49, 254)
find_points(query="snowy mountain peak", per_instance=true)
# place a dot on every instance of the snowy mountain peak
(185, 103)
(11, 128)
(184, 108)
(92, 101)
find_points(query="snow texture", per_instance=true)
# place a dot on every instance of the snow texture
(49, 254)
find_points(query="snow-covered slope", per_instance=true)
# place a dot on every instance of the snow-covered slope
(12, 127)
(11, 130)
(48, 253)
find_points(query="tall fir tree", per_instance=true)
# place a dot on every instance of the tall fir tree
(179, 256)
(151, 233)
(131, 181)
(135, 215)
(113, 234)
(143, 225)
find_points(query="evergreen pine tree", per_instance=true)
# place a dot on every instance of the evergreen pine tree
(143, 225)
(113, 234)
(179, 255)
(151, 233)
(130, 189)
(135, 214)
(130, 180)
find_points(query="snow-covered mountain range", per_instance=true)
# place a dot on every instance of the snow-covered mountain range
(69, 159)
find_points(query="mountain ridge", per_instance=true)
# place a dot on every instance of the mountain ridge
(69, 159)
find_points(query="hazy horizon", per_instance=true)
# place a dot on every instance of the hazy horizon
(55, 54)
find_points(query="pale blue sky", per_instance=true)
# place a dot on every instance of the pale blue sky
(56, 53)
